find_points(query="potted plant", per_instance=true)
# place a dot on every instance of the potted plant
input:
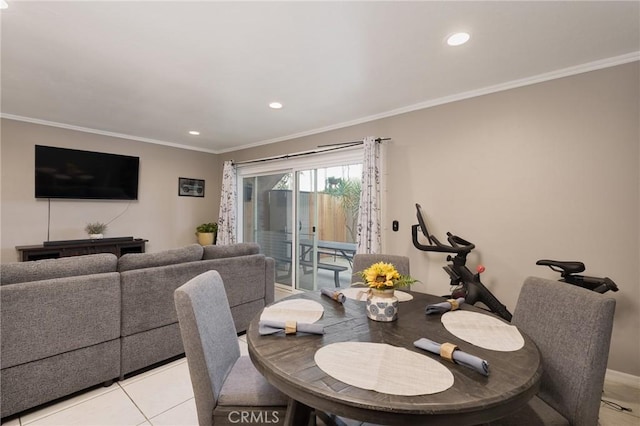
(95, 230)
(207, 233)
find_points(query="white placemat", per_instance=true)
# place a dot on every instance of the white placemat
(403, 296)
(383, 368)
(483, 330)
(300, 310)
(352, 293)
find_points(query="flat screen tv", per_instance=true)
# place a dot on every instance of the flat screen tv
(76, 174)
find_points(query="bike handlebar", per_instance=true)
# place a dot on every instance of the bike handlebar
(456, 242)
(456, 245)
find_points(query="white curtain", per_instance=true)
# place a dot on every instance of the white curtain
(369, 227)
(228, 200)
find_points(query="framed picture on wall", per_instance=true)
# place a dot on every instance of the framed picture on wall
(188, 187)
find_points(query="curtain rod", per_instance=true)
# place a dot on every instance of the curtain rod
(354, 142)
(335, 146)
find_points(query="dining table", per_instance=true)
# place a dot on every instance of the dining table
(288, 362)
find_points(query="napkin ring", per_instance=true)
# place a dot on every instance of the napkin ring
(336, 296)
(447, 350)
(290, 327)
(454, 304)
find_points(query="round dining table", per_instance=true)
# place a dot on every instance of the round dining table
(287, 362)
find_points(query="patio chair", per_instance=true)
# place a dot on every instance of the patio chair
(225, 384)
(572, 328)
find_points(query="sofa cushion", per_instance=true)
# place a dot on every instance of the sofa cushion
(47, 269)
(232, 250)
(28, 385)
(44, 318)
(147, 294)
(243, 277)
(186, 254)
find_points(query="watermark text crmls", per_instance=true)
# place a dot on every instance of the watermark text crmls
(262, 417)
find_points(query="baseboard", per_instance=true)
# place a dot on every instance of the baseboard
(622, 378)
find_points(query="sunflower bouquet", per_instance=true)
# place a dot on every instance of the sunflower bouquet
(384, 276)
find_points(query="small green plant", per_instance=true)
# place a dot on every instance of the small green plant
(95, 228)
(207, 227)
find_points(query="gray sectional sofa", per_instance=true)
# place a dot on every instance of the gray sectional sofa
(75, 322)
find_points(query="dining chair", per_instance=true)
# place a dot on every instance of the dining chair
(362, 261)
(227, 387)
(572, 328)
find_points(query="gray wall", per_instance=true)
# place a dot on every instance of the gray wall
(159, 214)
(549, 170)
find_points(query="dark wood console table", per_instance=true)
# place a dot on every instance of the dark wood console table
(55, 249)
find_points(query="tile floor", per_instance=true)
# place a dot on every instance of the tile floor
(164, 397)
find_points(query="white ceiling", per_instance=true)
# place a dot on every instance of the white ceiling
(155, 70)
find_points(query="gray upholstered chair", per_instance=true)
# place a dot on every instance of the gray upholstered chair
(572, 328)
(225, 384)
(362, 261)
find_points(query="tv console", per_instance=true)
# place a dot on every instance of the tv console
(88, 240)
(66, 248)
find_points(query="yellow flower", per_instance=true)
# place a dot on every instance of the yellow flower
(383, 275)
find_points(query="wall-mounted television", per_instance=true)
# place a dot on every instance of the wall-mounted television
(76, 174)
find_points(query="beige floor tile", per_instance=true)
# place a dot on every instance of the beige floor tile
(12, 422)
(67, 403)
(146, 374)
(626, 393)
(244, 349)
(181, 415)
(610, 417)
(156, 393)
(281, 294)
(109, 409)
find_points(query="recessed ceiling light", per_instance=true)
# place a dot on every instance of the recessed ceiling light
(275, 105)
(457, 39)
(194, 132)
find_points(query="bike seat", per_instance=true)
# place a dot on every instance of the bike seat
(568, 267)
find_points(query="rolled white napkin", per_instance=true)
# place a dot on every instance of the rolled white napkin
(459, 357)
(442, 307)
(266, 327)
(333, 294)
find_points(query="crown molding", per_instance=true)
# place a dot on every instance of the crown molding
(103, 132)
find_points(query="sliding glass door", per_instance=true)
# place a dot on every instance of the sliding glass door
(327, 208)
(304, 218)
(267, 204)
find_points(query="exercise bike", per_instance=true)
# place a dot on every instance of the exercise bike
(569, 273)
(466, 284)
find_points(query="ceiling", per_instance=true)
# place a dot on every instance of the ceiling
(152, 71)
